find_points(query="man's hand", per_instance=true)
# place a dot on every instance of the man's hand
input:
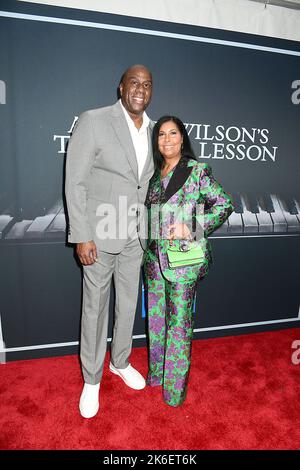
(86, 252)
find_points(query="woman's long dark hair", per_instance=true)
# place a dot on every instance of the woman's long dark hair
(187, 150)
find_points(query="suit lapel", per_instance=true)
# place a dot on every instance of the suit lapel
(153, 195)
(149, 160)
(179, 177)
(121, 128)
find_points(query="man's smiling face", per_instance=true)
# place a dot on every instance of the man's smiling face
(136, 90)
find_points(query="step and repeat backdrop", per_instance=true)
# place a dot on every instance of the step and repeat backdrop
(239, 96)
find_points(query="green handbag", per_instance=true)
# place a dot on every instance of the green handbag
(179, 258)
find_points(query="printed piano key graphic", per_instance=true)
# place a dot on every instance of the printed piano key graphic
(20, 227)
(260, 214)
(254, 214)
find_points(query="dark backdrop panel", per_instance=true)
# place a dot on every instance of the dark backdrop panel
(238, 108)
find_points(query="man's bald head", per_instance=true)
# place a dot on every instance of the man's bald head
(135, 68)
(136, 90)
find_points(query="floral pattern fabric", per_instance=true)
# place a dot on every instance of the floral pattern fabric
(171, 291)
(170, 326)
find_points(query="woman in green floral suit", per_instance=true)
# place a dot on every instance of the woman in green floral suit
(185, 203)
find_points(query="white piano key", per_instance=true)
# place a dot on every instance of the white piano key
(4, 221)
(280, 224)
(265, 223)
(264, 219)
(57, 226)
(38, 226)
(18, 229)
(235, 223)
(249, 219)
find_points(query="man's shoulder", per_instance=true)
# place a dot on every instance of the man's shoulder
(99, 112)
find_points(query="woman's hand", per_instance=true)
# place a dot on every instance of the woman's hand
(179, 232)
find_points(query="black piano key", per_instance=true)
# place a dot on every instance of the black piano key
(253, 203)
(266, 203)
(291, 219)
(297, 205)
(290, 205)
(237, 203)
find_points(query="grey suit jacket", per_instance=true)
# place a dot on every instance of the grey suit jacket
(105, 198)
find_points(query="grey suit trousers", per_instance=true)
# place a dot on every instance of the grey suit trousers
(124, 267)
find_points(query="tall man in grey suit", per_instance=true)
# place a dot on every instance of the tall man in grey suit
(109, 165)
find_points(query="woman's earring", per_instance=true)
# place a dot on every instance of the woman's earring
(181, 148)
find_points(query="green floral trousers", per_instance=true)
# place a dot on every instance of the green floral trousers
(170, 329)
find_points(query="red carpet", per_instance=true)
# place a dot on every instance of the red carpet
(243, 394)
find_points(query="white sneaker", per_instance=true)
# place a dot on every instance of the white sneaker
(131, 376)
(89, 400)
